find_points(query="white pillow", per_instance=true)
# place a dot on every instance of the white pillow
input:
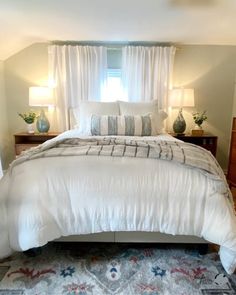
(86, 109)
(158, 120)
(138, 108)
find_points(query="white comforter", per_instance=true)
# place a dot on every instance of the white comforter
(43, 199)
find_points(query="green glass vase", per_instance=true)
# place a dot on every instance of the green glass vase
(42, 124)
(179, 125)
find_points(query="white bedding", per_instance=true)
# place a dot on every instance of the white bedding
(43, 199)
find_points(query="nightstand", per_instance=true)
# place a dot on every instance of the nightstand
(24, 141)
(232, 158)
(207, 141)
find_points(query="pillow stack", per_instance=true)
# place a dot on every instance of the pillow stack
(120, 118)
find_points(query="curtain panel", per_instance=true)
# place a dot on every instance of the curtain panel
(77, 73)
(147, 73)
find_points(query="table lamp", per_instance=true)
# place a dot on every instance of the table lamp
(181, 97)
(41, 97)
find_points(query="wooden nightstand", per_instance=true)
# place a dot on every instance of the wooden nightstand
(24, 141)
(231, 176)
(207, 141)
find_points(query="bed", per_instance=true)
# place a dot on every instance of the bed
(117, 188)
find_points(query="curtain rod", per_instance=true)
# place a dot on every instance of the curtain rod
(116, 45)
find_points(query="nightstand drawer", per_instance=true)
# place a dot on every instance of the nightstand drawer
(19, 148)
(207, 141)
(25, 141)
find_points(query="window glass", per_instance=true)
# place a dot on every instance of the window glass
(113, 90)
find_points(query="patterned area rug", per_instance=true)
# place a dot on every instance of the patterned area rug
(85, 269)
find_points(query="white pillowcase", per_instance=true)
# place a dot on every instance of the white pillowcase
(159, 118)
(86, 109)
(138, 108)
(144, 108)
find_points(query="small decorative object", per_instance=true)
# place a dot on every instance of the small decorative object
(30, 128)
(198, 118)
(181, 97)
(29, 119)
(41, 97)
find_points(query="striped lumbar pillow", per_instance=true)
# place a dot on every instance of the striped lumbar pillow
(122, 125)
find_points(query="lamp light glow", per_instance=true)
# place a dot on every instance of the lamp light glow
(181, 97)
(40, 96)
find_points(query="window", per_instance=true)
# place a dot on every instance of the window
(113, 89)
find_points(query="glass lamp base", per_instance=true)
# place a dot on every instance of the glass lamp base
(179, 125)
(42, 124)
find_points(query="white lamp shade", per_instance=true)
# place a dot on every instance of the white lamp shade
(40, 96)
(181, 97)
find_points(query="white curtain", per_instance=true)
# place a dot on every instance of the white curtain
(147, 73)
(78, 73)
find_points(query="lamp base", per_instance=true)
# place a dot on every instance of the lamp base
(179, 125)
(179, 134)
(42, 124)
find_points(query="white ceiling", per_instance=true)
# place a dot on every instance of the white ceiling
(23, 22)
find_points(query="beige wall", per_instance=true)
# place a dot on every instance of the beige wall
(27, 68)
(4, 133)
(210, 70)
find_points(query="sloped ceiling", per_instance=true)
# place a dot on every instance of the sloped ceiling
(23, 22)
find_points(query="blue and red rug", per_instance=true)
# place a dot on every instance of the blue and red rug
(86, 269)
